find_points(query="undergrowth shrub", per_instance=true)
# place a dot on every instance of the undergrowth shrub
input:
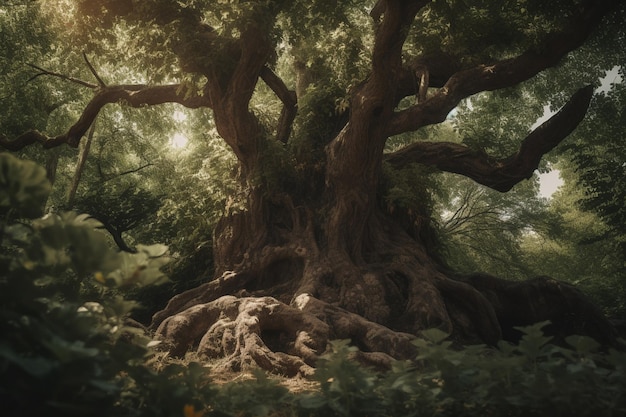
(533, 378)
(65, 345)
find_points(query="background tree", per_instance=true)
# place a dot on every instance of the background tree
(482, 229)
(600, 161)
(310, 244)
(574, 245)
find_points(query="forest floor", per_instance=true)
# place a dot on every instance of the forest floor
(297, 384)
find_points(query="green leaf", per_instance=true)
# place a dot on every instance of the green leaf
(23, 187)
(533, 340)
(435, 335)
(582, 344)
(153, 251)
(37, 366)
(312, 401)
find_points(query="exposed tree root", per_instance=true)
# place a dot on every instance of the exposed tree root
(228, 283)
(261, 331)
(248, 332)
(543, 299)
(244, 332)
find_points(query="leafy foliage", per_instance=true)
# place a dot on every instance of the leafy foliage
(23, 40)
(65, 338)
(573, 244)
(23, 187)
(477, 29)
(532, 378)
(482, 229)
(492, 121)
(602, 166)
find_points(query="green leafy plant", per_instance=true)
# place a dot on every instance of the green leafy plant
(347, 388)
(257, 397)
(67, 347)
(532, 378)
(23, 187)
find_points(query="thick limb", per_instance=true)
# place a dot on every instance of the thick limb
(499, 174)
(132, 95)
(490, 76)
(289, 99)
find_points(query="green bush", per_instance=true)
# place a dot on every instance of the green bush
(533, 378)
(66, 347)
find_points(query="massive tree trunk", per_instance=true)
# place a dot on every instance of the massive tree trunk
(295, 270)
(291, 277)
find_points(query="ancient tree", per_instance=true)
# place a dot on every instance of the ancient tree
(315, 254)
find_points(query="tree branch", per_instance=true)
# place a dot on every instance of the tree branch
(93, 71)
(499, 174)
(132, 95)
(502, 74)
(254, 54)
(391, 34)
(236, 124)
(378, 10)
(440, 66)
(117, 236)
(62, 76)
(423, 76)
(289, 99)
(127, 172)
(371, 104)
